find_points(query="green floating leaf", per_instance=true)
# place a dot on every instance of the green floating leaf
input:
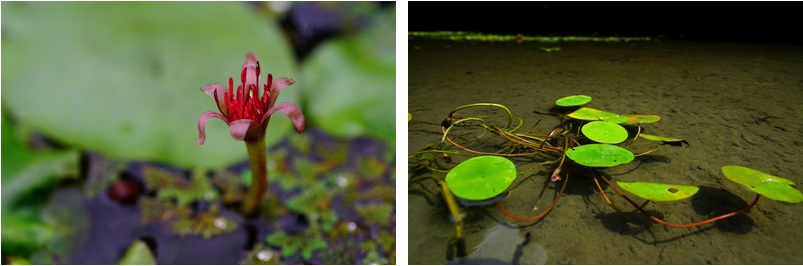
(641, 119)
(770, 186)
(409, 116)
(292, 244)
(28, 178)
(138, 254)
(375, 213)
(13, 260)
(604, 132)
(665, 140)
(591, 114)
(481, 177)
(198, 189)
(600, 155)
(618, 119)
(152, 58)
(574, 100)
(350, 82)
(658, 192)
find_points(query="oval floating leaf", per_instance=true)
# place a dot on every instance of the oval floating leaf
(131, 86)
(138, 254)
(658, 192)
(409, 116)
(600, 155)
(591, 114)
(481, 177)
(605, 132)
(346, 76)
(574, 100)
(770, 186)
(644, 119)
(618, 119)
(665, 140)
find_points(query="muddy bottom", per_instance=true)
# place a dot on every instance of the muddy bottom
(331, 201)
(736, 104)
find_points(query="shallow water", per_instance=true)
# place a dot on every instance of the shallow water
(736, 104)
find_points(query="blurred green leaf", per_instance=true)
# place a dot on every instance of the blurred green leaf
(138, 254)
(27, 179)
(124, 78)
(350, 82)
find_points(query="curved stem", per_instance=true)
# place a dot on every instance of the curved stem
(602, 192)
(509, 114)
(484, 153)
(259, 176)
(539, 216)
(446, 131)
(711, 220)
(647, 152)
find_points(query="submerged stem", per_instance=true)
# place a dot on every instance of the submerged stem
(509, 114)
(259, 176)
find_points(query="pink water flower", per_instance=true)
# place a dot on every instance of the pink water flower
(247, 114)
(244, 111)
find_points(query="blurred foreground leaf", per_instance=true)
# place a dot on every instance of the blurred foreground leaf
(28, 177)
(351, 82)
(138, 254)
(124, 78)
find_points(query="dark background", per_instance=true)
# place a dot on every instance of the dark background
(776, 22)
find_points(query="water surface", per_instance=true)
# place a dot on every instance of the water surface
(736, 104)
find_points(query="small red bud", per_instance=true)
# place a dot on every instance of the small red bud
(124, 191)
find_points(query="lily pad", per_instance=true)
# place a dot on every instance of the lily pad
(350, 83)
(591, 114)
(28, 177)
(481, 177)
(658, 192)
(574, 100)
(605, 132)
(600, 155)
(643, 119)
(770, 186)
(618, 119)
(138, 254)
(130, 87)
(665, 140)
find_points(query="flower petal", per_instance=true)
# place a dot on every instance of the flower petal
(220, 89)
(202, 124)
(245, 130)
(277, 86)
(292, 112)
(251, 76)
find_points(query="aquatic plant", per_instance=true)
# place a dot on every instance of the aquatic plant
(247, 115)
(590, 138)
(207, 224)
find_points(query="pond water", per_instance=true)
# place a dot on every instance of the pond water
(736, 104)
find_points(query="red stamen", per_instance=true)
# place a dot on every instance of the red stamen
(266, 97)
(225, 103)
(239, 94)
(241, 100)
(217, 103)
(242, 74)
(258, 71)
(231, 87)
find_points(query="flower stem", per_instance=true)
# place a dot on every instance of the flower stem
(259, 176)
